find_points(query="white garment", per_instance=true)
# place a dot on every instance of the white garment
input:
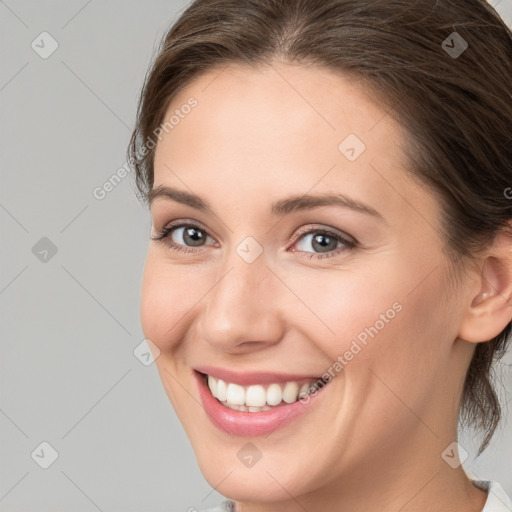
(497, 499)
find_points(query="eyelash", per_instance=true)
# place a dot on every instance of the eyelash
(163, 236)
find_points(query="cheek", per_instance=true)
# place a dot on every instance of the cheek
(380, 318)
(346, 310)
(167, 299)
(406, 356)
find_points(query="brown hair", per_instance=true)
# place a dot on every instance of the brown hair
(456, 108)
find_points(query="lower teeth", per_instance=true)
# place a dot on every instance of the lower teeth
(245, 408)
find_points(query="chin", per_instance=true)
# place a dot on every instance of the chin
(266, 481)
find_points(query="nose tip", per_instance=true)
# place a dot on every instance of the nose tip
(240, 312)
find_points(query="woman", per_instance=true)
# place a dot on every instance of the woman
(328, 278)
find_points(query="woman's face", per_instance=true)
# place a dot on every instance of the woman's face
(311, 252)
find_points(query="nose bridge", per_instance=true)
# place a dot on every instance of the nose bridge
(238, 283)
(240, 306)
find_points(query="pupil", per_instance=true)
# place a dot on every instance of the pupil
(319, 240)
(194, 236)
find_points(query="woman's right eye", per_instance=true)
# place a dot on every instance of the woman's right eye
(182, 237)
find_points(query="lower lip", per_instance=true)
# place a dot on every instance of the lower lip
(240, 423)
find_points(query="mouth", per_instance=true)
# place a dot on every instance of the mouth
(257, 408)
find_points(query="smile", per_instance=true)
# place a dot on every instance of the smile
(256, 409)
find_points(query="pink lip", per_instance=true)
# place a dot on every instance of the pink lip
(248, 378)
(248, 424)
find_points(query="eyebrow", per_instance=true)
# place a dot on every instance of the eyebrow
(281, 207)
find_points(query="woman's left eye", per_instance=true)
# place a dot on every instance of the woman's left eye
(187, 236)
(327, 242)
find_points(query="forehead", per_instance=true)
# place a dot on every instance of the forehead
(283, 128)
(282, 103)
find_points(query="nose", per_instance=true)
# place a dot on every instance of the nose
(241, 312)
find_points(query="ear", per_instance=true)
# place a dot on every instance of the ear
(490, 309)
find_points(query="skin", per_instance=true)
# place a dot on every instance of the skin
(375, 440)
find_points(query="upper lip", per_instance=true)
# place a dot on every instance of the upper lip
(247, 378)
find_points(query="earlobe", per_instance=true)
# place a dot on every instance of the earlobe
(490, 309)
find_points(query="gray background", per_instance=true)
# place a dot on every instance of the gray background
(70, 324)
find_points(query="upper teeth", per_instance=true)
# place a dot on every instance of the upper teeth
(258, 395)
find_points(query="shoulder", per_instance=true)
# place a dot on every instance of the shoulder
(497, 499)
